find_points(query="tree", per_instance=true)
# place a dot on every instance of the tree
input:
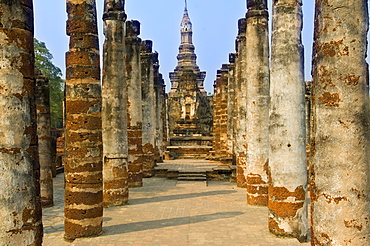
(43, 62)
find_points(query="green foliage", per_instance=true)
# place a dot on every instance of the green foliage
(43, 62)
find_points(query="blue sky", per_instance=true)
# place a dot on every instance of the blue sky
(214, 30)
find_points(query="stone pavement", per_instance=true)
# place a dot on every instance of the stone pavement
(171, 212)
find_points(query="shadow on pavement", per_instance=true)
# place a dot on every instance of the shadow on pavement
(178, 197)
(156, 224)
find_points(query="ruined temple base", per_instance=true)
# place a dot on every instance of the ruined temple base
(188, 152)
(189, 147)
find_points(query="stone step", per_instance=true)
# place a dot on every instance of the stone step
(192, 176)
(191, 157)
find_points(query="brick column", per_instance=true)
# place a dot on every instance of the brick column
(134, 107)
(241, 103)
(287, 156)
(224, 151)
(148, 111)
(83, 205)
(339, 168)
(160, 115)
(216, 115)
(257, 74)
(231, 110)
(20, 203)
(44, 138)
(157, 153)
(114, 118)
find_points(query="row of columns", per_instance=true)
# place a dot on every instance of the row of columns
(276, 127)
(104, 133)
(220, 119)
(104, 126)
(275, 166)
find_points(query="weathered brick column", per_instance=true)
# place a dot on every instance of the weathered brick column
(134, 107)
(20, 203)
(220, 116)
(287, 156)
(339, 168)
(216, 115)
(224, 151)
(114, 118)
(161, 111)
(308, 97)
(157, 153)
(257, 72)
(148, 103)
(83, 135)
(231, 110)
(241, 103)
(44, 138)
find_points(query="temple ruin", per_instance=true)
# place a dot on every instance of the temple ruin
(189, 107)
(298, 149)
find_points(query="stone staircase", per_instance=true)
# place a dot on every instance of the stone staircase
(189, 147)
(195, 170)
(192, 176)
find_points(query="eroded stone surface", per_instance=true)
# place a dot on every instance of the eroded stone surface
(20, 202)
(134, 104)
(287, 154)
(240, 104)
(258, 89)
(44, 138)
(148, 107)
(339, 168)
(114, 97)
(220, 124)
(83, 138)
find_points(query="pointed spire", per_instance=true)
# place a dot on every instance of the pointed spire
(186, 23)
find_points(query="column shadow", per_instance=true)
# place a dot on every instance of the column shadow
(178, 197)
(157, 224)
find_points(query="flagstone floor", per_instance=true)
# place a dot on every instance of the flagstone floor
(174, 213)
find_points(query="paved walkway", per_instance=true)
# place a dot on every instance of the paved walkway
(171, 212)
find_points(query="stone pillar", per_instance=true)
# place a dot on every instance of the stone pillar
(257, 72)
(216, 115)
(134, 107)
(160, 115)
(114, 117)
(287, 156)
(231, 112)
(148, 102)
(308, 118)
(224, 151)
(166, 130)
(157, 155)
(240, 107)
(83, 158)
(20, 203)
(44, 138)
(339, 171)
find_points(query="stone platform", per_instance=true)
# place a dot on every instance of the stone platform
(171, 212)
(189, 147)
(181, 168)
